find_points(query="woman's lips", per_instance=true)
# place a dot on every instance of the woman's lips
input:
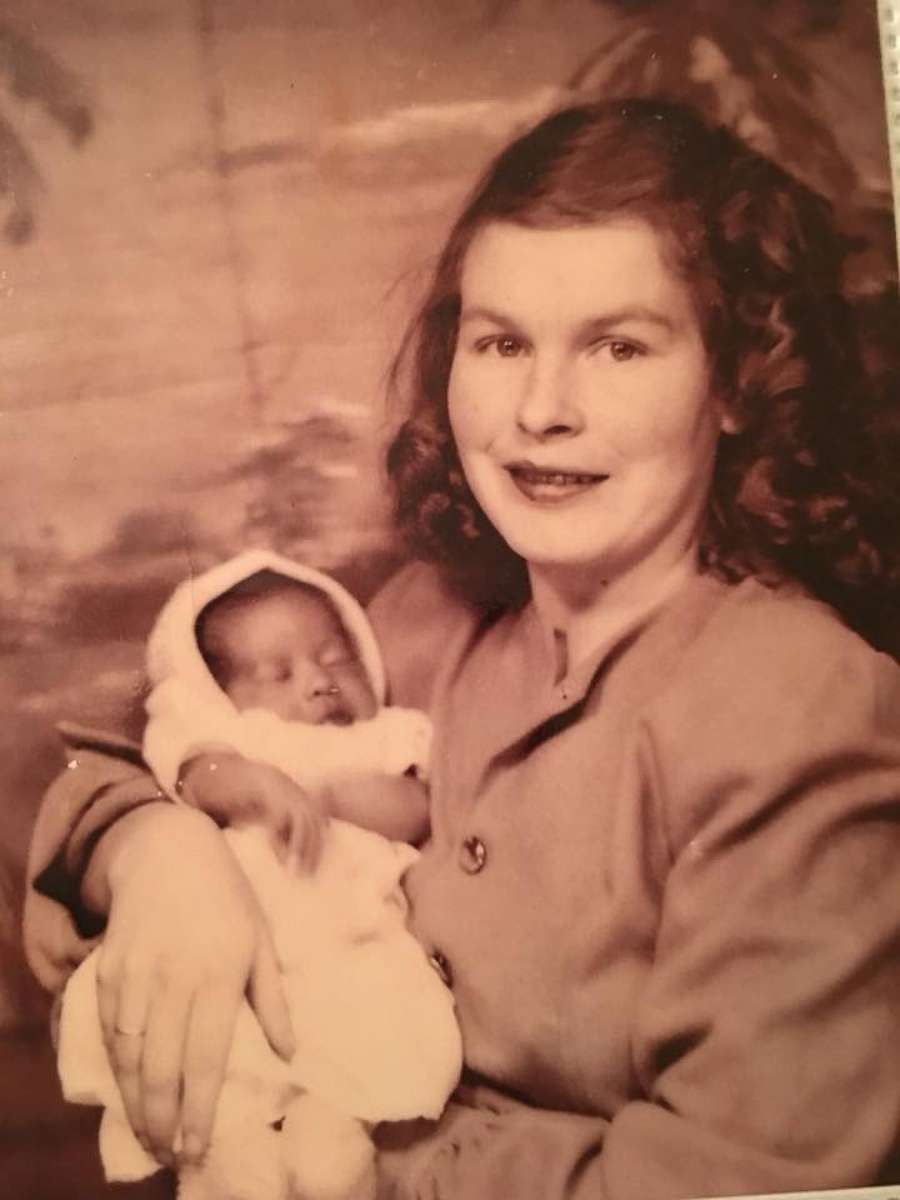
(546, 485)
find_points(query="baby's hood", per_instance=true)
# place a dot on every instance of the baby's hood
(172, 650)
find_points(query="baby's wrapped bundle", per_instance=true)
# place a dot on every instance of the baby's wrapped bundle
(376, 1035)
(375, 1030)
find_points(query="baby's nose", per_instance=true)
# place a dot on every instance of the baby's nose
(319, 682)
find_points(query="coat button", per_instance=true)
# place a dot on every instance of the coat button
(473, 855)
(440, 964)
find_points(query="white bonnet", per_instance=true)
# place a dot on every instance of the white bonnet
(172, 649)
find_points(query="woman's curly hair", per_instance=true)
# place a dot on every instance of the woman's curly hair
(805, 489)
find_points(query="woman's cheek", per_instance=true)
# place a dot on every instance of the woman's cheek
(663, 408)
(472, 404)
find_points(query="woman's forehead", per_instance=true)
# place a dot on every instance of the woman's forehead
(615, 266)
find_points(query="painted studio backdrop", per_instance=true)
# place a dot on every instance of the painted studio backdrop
(215, 218)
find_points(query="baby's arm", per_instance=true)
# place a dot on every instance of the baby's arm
(253, 767)
(207, 756)
(396, 806)
(235, 791)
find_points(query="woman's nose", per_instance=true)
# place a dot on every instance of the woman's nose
(548, 406)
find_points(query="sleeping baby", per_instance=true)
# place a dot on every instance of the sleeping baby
(262, 663)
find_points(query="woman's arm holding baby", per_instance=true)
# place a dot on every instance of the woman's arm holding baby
(184, 938)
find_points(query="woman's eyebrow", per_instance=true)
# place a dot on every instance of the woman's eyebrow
(478, 313)
(637, 314)
(595, 324)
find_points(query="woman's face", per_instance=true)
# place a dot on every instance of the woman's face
(580, 397)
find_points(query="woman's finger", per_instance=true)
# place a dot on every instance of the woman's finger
(206, 1047)
(127, 1055)
(108, 983)
(266, 995)
(126, 1023)
(161, 1067)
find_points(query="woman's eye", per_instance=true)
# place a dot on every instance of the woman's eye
(503, 345)
(621, 351)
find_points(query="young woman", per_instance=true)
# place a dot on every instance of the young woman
(665, 846)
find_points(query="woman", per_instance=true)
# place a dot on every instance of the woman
(665, 845)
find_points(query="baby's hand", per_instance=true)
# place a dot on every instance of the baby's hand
(406, 740)
(396, 806)
(235, 792)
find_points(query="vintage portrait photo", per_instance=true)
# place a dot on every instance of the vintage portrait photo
(449, 600)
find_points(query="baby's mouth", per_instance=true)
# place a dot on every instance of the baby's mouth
(328, 708)
(547, 485)
(338, 716)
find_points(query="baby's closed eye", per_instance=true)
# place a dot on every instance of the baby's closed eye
(278, 672)
(270, 670)
(338, 654)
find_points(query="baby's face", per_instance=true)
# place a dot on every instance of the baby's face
(289, 654)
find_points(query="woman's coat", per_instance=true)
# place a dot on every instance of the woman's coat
(664, 891)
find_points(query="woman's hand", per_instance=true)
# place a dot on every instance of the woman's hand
(184, 943)
(235, 791)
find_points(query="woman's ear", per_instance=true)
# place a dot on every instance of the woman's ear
(728, 422)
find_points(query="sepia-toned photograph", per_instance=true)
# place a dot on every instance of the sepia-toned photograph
(449, 600)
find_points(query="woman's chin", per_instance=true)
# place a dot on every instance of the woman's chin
(550, 561)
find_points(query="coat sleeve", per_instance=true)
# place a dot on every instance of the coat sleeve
(767, 1038)
(104, 779)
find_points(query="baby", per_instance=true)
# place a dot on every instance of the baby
(260, 664)
(268, 660)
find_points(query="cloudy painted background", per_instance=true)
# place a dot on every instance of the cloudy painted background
(219, 213)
